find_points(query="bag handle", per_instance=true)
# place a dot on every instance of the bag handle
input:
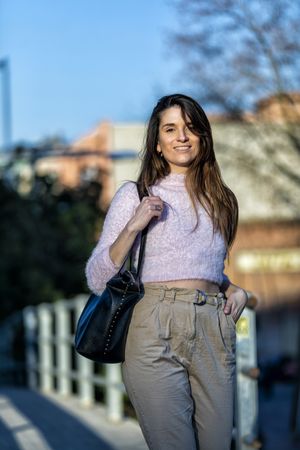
(142, 251)
(142, 244)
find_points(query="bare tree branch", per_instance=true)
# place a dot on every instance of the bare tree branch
(236, 52)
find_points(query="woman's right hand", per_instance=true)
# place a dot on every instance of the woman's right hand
(149, 207)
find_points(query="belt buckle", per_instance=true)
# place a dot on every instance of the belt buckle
(202, 295)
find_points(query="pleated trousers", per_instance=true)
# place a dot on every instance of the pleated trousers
(179, 369)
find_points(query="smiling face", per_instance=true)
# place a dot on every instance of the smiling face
(176, 141)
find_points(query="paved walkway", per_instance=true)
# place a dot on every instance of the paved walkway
(31, 421)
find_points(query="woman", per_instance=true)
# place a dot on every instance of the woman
(179, 367)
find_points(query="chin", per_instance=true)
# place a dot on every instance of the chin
(184, 163)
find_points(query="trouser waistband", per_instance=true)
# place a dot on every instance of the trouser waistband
(185, 295)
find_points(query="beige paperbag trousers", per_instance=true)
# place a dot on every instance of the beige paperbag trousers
(179, 369)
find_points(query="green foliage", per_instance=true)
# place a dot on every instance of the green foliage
(45, 240)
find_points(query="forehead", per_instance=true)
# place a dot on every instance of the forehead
(173, 114)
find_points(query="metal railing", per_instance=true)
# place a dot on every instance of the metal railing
(53, 364)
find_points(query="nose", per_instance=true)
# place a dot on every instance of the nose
(182, 136)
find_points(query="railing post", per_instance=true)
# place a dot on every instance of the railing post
(30, 326)
(40, 342)
(84, 367)
(247, 373)
(114, 396)
(85, 384)
(63, 351)
(46, 362)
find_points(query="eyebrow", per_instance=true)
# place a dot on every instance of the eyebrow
(173, 124)
(168, 125)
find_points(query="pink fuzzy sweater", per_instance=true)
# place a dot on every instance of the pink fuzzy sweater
(173, 250)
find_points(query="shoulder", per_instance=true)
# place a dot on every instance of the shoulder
(123, 203)
(126, 193)
(127, 188)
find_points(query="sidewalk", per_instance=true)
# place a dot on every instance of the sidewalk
(31, 421)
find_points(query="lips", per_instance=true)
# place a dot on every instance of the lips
(183, 147)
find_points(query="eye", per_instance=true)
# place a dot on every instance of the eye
(168, 130)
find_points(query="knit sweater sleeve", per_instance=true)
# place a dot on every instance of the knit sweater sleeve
(100, 268)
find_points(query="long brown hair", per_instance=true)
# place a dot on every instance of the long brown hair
(203, 178)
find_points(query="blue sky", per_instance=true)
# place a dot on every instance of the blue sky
(75, 62)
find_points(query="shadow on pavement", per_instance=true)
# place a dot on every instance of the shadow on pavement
(28, 420)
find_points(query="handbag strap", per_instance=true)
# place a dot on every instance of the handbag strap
(143, 241)
(142, 251)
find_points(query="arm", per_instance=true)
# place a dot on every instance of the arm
(126, 217)
(100, 266)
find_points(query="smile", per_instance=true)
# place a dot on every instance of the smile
(183, 148)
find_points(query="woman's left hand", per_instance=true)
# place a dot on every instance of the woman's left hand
(236, 302)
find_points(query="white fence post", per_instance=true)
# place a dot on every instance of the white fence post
(114, 396)
(247, 390)
(30, 326)
(45, 352)
(85, 384)
(63, 350)
(84, 366)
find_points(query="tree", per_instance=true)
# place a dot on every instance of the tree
(235, 53)
(239, 51)
(46, 238)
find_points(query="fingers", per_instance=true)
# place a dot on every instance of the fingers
(235, 304)
(156, 207)
(231, 308)
(149, 208)
(227, 308)
(153, 205)
(152, 199)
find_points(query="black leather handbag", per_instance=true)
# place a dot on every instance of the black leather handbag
(102, 327)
